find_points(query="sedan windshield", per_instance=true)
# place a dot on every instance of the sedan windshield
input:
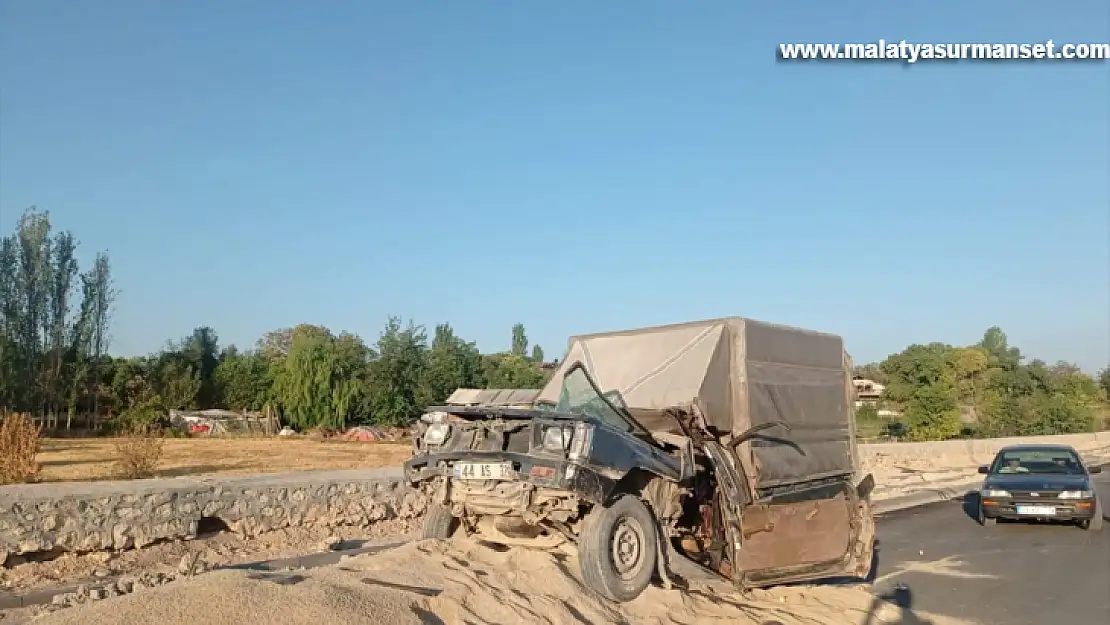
(1038, 462)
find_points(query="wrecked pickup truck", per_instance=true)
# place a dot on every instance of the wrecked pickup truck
(724, 445)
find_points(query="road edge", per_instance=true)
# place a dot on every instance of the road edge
(935, 495)
(327, 558)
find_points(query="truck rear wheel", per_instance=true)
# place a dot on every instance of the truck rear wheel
(618, 549)
(439, 522)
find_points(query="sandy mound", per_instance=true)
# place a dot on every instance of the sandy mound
(433, 582)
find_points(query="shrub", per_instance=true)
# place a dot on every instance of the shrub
(19, 444)
(867, 412)
(139, 450)
(141, 417)
(933, 414)
(896, 429)
(1102, 419)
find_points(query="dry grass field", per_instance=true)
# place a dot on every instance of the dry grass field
(86, 459)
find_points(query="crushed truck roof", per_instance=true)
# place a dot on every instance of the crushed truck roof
(741, 373)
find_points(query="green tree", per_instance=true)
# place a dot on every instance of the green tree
(41, 354)
(201, 350)
(33, 278)
(103, 295)
(998, 350)
(931, 383)
(452, 363)
(915, 367)
(58, 327)
(9, 324)
(80, 348)
(537, 354)
(520, 341)
(122, 379)
(968, 365)
(143, 405)
(1059, 413)
(243, 380)
(511, 371)
(933, 414)
(396, 375)
(1104, 379)
(178, 384)
(276, 343)
(321, 382)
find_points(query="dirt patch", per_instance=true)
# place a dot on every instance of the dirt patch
(438, 583)
(85, 459)
(217, 549)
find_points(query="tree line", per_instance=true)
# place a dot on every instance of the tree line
(55, 323)
(54, 336)
(987, 390)
(54, 320)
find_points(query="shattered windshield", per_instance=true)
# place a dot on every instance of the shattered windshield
(578, 395)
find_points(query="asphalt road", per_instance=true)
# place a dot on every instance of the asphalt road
(1008, 574)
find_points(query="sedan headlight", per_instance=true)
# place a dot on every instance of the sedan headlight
(994, 492)
(1077, 494)
(557, 438)
(437, 433)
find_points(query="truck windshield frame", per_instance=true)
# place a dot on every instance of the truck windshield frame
(579, 394)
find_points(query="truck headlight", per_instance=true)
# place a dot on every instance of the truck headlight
(434, 417)
(437, 433)
(1077, 494)
(994, 492)
(557, 437)
(581, 441)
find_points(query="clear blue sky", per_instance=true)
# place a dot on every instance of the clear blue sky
(250, 165)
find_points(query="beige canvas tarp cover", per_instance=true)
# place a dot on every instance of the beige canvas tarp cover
(509, 397)
(741, 373)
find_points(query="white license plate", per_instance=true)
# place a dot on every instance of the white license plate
(1037, 510)
(484, 470)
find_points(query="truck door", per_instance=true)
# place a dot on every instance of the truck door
(805, 535)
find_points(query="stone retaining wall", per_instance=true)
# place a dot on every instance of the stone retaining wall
(971, 453)
(119, 515)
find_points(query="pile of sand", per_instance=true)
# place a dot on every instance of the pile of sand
(464, 582)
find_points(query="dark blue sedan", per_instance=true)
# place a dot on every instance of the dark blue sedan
(1041, 482)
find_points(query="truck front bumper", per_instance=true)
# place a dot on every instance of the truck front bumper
(539, 472)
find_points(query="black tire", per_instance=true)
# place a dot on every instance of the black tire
(983, 519)
(618, 549)
(439, 523)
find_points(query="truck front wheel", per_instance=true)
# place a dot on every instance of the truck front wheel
(617, 548)
(439, 522)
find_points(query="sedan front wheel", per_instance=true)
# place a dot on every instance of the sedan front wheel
(983, 519)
